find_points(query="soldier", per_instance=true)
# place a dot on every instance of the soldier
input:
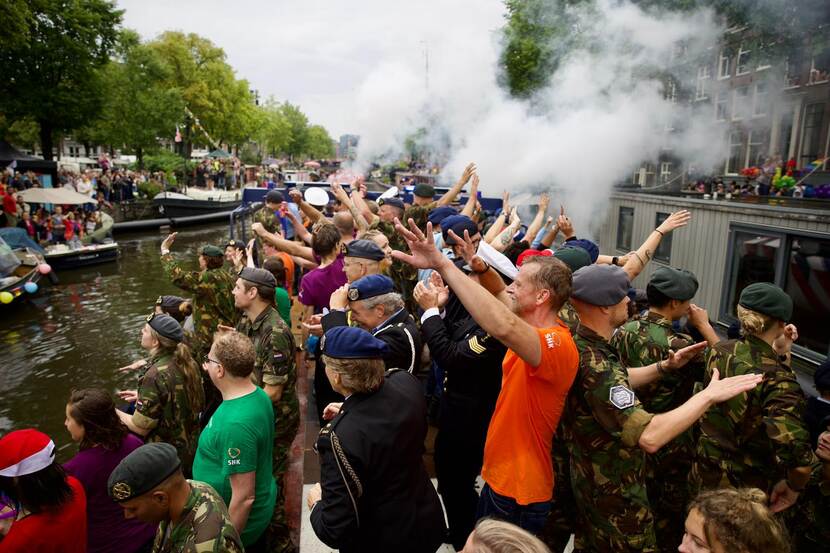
(170, 394)
(606, 426)
(269, 216)
(275, 371)
(647, 340)
(150, 486)
(759, 439)
(374, 493)
(376, 307)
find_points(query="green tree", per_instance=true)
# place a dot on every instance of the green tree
(51, 76)
(319, 144)
(272, 131)
(16, 16)
(298, 129)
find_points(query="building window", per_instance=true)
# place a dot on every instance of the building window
(625, 228)
(722, 105)
(703, 76)
(663, 251)
(820, 68)
(723, 65)
(792, 260)
(764, 61)
(739, 102)
(736, 153)
(759, 103)
(742, 67)
(792, 73)
(811, 137)
(670, 93)
(756, 147)
(665, 171)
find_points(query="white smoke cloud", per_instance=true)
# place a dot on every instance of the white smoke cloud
(600, 116)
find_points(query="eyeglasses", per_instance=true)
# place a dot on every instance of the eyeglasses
(214, 361)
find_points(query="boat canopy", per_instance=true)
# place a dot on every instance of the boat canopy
(59, 196)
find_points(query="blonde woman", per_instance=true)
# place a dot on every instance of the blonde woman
(498, 536)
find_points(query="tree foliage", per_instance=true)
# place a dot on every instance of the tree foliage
(318, 143)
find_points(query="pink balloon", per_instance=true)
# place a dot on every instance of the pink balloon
(44, 268)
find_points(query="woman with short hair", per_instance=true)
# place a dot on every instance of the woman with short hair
(498, 536)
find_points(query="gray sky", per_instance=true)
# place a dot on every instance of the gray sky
(318, 53)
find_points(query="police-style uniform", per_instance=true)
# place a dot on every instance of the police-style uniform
(472, 361)
(376, 493)
(399, 332)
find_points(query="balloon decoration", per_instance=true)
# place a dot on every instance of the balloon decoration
(6, 297)
(30, 287)
(44, 268)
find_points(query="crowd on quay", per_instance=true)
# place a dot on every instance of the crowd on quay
(592, 411)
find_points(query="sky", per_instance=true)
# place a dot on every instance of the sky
(319, 53)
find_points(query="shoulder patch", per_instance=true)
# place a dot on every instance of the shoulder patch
(476, 346)
(621, 397)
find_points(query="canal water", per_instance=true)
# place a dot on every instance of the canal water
(77, 333)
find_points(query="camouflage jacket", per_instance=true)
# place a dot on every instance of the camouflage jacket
(569, 316)
(404, 275)
(647, 340)
(269, 220)
(164, 407)
(204, 527)
(603, 421)
(274, 345)
(213, 305)
(755, 437)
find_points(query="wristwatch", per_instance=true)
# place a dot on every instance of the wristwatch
(614, 260)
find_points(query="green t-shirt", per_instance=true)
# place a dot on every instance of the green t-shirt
(283, 304)
(240, 438)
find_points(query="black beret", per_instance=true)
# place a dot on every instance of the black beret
(349, 342)
(394, 202)
(600, 285)
(575, 258)
(142, 470)
(238, 244)
(677, 284)
(370, 286)
(166, 326)
(274, 197)
(170, 302)
(767, 298)
(260, 277)
(364, 249)
(212, 251)
(424, 190)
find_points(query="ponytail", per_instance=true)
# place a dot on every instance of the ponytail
(183, 360)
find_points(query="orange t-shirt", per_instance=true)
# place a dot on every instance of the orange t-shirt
(517, 460)
(288, 262)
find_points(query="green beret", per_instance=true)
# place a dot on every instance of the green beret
(424, 190)
(142, 470)
(677, 284)
(574, 258)
(212, 251)
(768, 299)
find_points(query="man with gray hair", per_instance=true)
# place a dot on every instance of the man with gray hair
(377, 308)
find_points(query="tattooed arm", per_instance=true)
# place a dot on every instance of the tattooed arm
(644, 253)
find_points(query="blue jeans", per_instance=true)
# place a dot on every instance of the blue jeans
(530, 517)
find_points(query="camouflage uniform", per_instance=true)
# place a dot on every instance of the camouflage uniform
(269, 220)
(569, 316)
(163, 406)
(204, 527)
(811, 528)
(213, 305)
(403, 274)
(752, 439)
(603, 421)
(642, 342)
(275, 366)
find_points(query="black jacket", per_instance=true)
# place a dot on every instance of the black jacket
(400, 333)
(377, 495)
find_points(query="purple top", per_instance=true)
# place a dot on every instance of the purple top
(318, 284)
(109, 531)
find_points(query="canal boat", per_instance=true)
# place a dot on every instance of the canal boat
(21, 263)
(195, 202)
(62, 257)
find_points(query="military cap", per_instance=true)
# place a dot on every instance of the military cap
(212, 251)
(600, 285)
(587, 245)
(170, 302)
(370, 286)
(238, 244)
(166, 326)
(822, 376)
(394, 202)
(575, 258)
(349, 342)
(767, 298)
(274, 197)
(458, 224)
(437, 215)
(260, 277)
(677, 284)
(142, 470)
(364, 249)
(424, 190)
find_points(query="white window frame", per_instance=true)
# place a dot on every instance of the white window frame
(722, 98)
(742, 52)
(703, 76)
(737, 110)
(814, 71)
(738, 144)
(723, 59)
(790, 82)
(665, 171)
(671, 91)
(749, 145)
(755, 103)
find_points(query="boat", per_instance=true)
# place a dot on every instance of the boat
(61, 257)
(21, 263)
(196, 201)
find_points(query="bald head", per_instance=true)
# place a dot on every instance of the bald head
(344, 222)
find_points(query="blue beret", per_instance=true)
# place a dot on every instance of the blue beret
(587, 245)
(349, 342)
(767, 298)
(364, 249)
(166, 326)
(395, 202)
(370, 286)
(600, 285)
(437, 215)
(458, 224)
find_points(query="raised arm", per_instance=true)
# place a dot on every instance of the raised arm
(536, 224)
(506, 236)
(493, 316)
(340, 194)
(644, 253)
(450, 194)
(299, 230)
(307, 209)
(288, 246)
(361, 206)
(470, 206)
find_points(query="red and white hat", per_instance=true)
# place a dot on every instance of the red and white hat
(24, 452)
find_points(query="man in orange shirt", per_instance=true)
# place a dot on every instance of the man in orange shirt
(538, 371)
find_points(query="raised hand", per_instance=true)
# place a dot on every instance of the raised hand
(721, 390)
(505, 202)
(425, 295)
(683, 356)
(296, 196)
(167, 242)
(784, 343)
(544, 202)
(675, 220)
(424, 253)
(339, 299)
(468, 172)
(258, 229)
(437, 283)
(465, 245)
(565, 226)
(339, 193)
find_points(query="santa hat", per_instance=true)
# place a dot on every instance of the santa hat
(24, 452)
